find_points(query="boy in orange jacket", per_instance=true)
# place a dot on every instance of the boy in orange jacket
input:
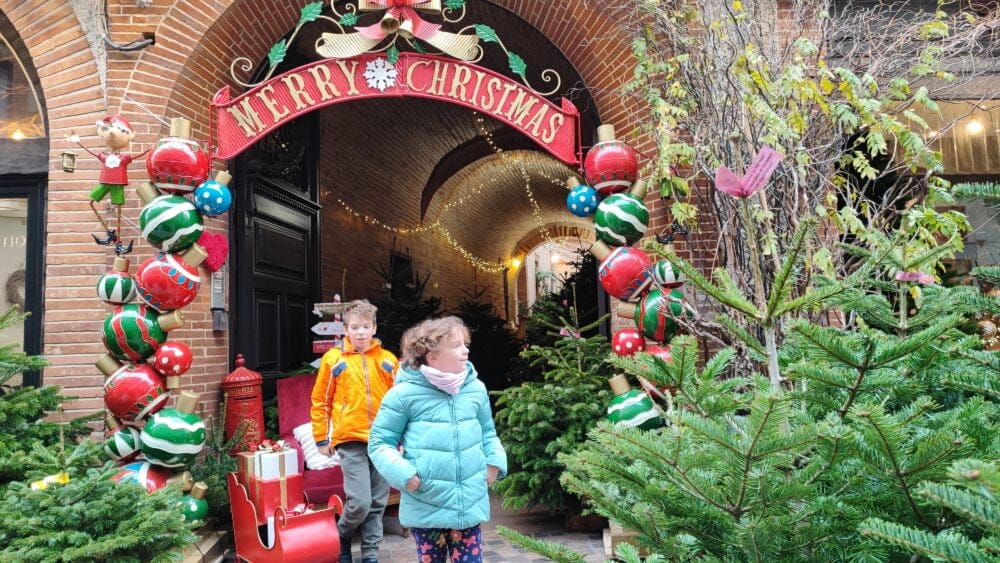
(350, 384)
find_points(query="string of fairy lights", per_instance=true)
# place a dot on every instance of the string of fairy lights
(515, 161)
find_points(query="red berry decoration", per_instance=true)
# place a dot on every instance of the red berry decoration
(627, 341)
(611, 165)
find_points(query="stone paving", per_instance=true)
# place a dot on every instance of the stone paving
(397, 548)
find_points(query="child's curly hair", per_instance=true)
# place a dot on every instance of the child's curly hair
(361, 308)
(428, 336)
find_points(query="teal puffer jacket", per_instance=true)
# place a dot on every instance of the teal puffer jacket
(447, 441)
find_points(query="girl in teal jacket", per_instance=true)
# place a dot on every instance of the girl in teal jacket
(439, 411)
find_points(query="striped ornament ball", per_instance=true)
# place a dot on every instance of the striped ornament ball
(173, 437)
(621, 219)
(170, 223)
(122, 444)
(116, 286)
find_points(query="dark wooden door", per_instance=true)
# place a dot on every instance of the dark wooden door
(275, 259)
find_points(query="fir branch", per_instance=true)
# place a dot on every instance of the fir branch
(985, 512)
(782, 287)
(726, 297)
(742, 334)
(895, 350)
(989, 191)
(830, 341)
(988, 274)
(945, 546)
(553, 551)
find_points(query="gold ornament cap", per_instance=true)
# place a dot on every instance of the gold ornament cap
(180, 127)
(170, 321)
(111, 423)
(600, 250)
(572, 182)
(619, 384)
(121, 264)
(195, 255)
(108, 364)
(223, 177)
(184, 479)
(626, 309)
(173, 381)
(199, 490)
(639, 188)
(147, 192)
(187, 402)
(605, 133)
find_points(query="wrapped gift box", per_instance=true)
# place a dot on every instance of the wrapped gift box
(270, 464)
(268, 494)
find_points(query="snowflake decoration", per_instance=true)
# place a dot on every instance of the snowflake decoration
(380, 74)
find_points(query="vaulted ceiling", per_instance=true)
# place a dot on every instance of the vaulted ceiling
(488, 185)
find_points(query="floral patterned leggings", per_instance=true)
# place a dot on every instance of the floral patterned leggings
(440, 545)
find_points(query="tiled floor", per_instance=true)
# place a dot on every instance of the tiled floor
(399, 549)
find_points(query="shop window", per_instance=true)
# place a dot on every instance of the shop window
(20, 267)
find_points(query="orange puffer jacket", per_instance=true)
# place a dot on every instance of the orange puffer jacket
(348, 392)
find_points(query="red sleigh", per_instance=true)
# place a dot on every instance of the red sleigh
(308, 537)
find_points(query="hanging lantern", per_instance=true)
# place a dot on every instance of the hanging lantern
(169, 222)
(194, 507)
(170, 281)
(151, 477)
(178, 164)
(611, 165)
(242, 398)
(68, 161)
(627, 341)
(172, 360)
(133, 332)
(631, 407)
(173, 437)
(122, 442)
(582, 199)
(654, 314)
(213, 196)
(116, 286)
(131, 392)
(623, 272)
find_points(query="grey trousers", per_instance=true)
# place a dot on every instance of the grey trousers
(367, 494)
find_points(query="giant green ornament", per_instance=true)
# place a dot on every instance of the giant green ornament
(173, 437)
(632, 407)
(133, 332)
(170, 223)
(655, 313)
(621, 219)
(194, 507)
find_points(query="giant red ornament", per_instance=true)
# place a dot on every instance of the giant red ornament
(172, 360)
(611, 165)
(178, 164)
(623, 272)
(133, 391)
(663, 352)
(627, 341)
(151, 477)
(170, 281)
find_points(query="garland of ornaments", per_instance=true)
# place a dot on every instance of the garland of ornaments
(614, 196)
(143, 365)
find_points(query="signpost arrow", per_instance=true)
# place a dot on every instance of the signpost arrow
(329, 328)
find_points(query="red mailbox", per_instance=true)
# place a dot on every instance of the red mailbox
(242, 398)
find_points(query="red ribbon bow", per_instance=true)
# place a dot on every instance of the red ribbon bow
(402, 10)
(274, 446)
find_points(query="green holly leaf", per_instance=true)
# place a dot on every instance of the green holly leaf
(348, 20)
(392, 55)
(486, 33)
(310, 11)
(277, 53)
(418, 46)
(517, 64)
(454, 4)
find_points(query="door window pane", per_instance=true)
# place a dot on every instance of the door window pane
(13, 256)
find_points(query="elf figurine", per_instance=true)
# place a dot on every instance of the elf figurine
(116, 133)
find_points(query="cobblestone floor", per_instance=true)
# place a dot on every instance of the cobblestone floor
(399, 549)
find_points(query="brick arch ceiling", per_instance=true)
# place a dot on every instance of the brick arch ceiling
(197, 40)
(65, 65)
(556, 231)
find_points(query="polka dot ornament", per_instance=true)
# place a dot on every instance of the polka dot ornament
(173, 358)
(582, 201)
(213, 196)
(627, 341)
